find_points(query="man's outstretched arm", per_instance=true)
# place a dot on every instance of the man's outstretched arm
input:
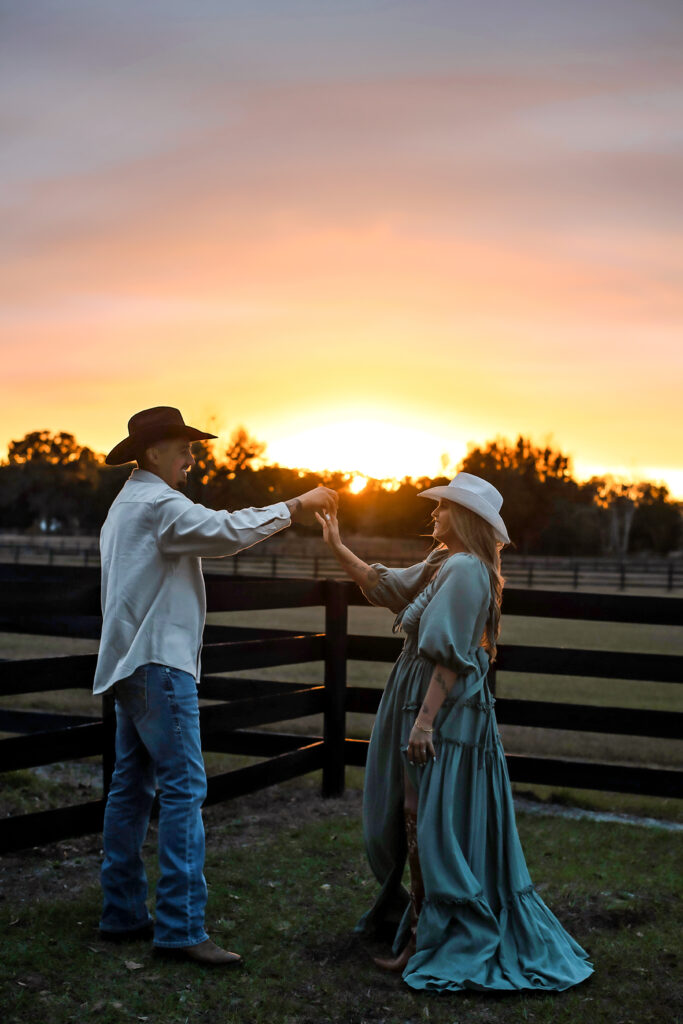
(184, 528)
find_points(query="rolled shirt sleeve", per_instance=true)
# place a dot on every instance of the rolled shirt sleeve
(184, 528)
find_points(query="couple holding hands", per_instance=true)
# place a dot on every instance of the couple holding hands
(437, 792)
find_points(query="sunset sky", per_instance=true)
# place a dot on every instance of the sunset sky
(371, 232)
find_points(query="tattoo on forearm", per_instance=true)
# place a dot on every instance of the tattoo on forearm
(356, 567)
(441, 683)
(424, 710)
(294, 506)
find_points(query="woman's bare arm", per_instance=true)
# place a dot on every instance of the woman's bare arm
(420, 746)
(440, 685)
(359, 571)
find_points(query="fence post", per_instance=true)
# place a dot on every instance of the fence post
(334, 732)
(108, 750)
(491, 679)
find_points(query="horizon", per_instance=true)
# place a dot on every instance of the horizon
(358, 477)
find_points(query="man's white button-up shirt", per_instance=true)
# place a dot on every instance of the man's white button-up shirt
(153, 595)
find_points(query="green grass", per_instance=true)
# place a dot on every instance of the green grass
(54, 785)
(287, 896)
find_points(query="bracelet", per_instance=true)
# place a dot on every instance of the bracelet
(422, 728)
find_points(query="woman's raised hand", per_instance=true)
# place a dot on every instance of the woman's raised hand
(330, 525)
(361, 573)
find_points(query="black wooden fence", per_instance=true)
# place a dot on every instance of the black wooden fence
(561, 572)
(61, 601)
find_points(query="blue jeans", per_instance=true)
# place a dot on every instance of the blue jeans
(157, 739)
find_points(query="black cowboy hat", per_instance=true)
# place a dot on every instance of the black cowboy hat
(148, 426)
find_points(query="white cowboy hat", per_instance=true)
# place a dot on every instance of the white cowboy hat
(476, 494)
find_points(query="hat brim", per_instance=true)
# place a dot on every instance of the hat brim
(473, 503)
(129, 449)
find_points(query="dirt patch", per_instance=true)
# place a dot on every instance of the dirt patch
(253, 818)
(64, 870)
(342, 949)
(606, 911)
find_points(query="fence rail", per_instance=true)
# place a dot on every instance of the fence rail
(527, 571)
(30, 595)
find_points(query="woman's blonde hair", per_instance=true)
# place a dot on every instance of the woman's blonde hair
(479, 539)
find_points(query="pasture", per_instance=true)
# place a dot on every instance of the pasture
(25, 793)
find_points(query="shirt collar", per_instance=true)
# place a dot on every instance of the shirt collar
(143, 476)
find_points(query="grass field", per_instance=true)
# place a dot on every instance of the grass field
(517, 739)
(288, 879)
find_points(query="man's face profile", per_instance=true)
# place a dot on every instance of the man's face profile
(171, 460)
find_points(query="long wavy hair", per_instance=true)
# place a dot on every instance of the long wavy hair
(478, 537)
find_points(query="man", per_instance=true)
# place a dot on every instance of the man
(153, 612)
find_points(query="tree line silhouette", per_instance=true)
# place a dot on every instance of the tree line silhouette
(50, 482)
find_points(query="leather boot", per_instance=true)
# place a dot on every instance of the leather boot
(206, 953)
(417, 893)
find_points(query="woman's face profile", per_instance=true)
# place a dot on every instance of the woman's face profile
(443, 530)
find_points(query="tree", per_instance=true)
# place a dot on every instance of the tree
(574, 528)
(617, 502)
(242, 451)
(657, 521)
(203, 472)
(532, 480)
(50, 478)
(231, 483)
(61, 449)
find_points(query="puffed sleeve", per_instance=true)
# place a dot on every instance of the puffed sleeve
(397, 587)
(452, 624)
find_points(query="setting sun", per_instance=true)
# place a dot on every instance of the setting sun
(367, 448)
(358, 483)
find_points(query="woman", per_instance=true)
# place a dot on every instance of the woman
(436, 782)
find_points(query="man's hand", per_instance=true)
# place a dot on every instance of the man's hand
(320, 499)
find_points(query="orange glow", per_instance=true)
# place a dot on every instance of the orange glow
(393, 359)
(358, 483)
(365, 447)
(367, 242)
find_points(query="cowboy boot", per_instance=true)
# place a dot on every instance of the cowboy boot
(417, 892)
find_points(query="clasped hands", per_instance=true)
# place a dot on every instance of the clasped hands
(330, 525)
(320, 499)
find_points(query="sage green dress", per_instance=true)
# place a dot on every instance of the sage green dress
(482, 924)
